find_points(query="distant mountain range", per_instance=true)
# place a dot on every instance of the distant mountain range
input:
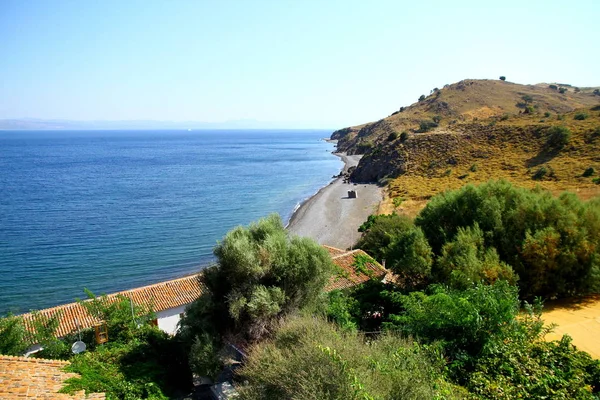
(58, 124)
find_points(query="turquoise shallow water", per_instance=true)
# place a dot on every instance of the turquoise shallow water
(112, 210)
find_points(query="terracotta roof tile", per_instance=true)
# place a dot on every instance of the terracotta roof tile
(333, 251)
(160, 296)
(352, 277)
(34, 378)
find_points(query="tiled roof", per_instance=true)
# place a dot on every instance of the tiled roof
(34, 378)
(160, 296)
(351, 276)
(333, 251)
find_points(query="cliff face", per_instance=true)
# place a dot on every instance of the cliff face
(438, 128)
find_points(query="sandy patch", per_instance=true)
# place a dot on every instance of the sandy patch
(331, 217)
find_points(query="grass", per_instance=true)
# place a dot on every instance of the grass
(513, 150)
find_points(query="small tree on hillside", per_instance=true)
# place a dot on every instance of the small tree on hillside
(422, 97)
(502, 78)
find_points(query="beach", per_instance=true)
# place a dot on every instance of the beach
(330, 216)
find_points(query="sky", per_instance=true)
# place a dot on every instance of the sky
(327, 64)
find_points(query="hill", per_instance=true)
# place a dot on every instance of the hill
(476, 130)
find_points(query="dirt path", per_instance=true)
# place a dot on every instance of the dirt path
(579, 318)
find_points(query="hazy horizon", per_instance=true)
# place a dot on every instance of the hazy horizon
(310, 64)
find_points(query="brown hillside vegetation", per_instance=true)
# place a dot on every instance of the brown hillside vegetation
(477, 130)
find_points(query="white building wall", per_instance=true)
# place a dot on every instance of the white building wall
(168, 319)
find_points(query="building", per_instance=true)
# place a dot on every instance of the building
(169, 299)
(33, 378)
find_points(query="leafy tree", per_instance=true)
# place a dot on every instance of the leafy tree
(403, 136)
(13, 340)
(409, 255)
(553, 87)
(589, 172)
(552, 244)
(393, 136)
(562, 90)
(422, 97)
(465, 261)
(262, 274)
(502, 78)
(558, 137)
(379, 231)
(311, 359)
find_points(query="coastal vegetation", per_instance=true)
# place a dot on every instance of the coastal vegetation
(450, 325)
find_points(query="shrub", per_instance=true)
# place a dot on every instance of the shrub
(462, 321)
(589, 172)
(597, 92)
(558, 137)
(560, 117)
(401, 109)
(465, 261)
(580, 116)
(504, 117)
(553, 87)
(426, 125)
(422, 97)
(403, 136)
(397, 201)
(379, 230)
(540, 173)
(473, 168)
(311, 359)
(502, 78)
(409, 256)
(552, 244)
(13, 340)
(596, 181)
(527, 98)
(547, 114)
(436, 119)
(562, 90)
(393, 136)
(262, 274)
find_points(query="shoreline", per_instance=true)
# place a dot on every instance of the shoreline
(329, 216)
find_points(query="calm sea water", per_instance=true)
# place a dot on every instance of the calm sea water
(112, 210)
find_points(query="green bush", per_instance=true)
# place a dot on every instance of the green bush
(562, 90)
(473, 168)
(540, 173)
(379, 231)
(553, 87)
(558, 137)
(13, 341)
(262, 274)
(393, 136)
(547, 114)
(397, 201)
(465, 261)
(552, 244)
(580, 116)
(409, 255)
(513, 367)
(463, 322)
(436, 119)
(502, 78)
(426, 126)
(422, 97)
(403, 136)
(311, 359)
(589, 172)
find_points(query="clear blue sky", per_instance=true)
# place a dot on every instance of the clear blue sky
(328, 63)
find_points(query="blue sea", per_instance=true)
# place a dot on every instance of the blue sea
(113, 210)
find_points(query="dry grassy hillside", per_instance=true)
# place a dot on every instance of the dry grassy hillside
(475, 130)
